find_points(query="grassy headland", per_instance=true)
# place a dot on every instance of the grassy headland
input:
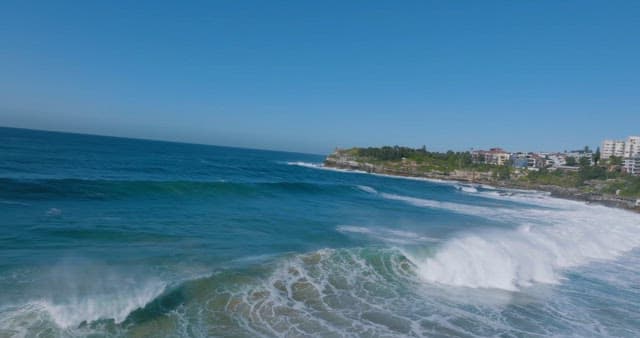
(598, 183)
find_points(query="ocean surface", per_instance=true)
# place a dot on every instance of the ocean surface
(113, 237)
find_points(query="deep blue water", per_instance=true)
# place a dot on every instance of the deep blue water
(103, 236)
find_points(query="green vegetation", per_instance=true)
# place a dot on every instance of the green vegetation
(599, 179)
(594, 179)
(420, 159)
(628, 186)
(566, 179)
(570, 161)
(615, 160)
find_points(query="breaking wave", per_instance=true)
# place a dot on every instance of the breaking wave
(467, 188)
(544, 244)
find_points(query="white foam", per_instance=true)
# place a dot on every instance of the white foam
(354, 229)
(411, 178)
(570, 235)
(467, 188)
(326, 293)
(305, 164)
(383, 234)
(450, 206)
(322, 167)
(116, 306)
(422, 179)
(367, 189)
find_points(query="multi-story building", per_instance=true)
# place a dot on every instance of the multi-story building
(495, 156)
(499, 156)
(632, 165)
(626, 149)
(530, 160)
(579, 154)
(558, 159)
(612, 148)
(632, 147)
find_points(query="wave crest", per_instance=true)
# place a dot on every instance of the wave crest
(569, 235)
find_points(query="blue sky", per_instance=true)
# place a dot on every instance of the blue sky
(312, 75)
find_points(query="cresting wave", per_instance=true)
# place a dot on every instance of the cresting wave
(73, 315)
(544, 244)
(323, 293)
(329, 292)
(76, 311)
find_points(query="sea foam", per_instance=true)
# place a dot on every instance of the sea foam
(544, 244)
(116, 306)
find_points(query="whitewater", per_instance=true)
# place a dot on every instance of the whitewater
(108, 237)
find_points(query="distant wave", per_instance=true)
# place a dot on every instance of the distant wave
(466, 188)
(388, 235)
(113, 189)
(305, 164)
(322, 167)
(468, 209)
(367, 189)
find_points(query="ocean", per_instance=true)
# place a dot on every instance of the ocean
(115, 237)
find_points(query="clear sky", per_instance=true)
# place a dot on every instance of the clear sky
(312, 75)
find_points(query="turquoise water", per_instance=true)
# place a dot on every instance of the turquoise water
(116, 237)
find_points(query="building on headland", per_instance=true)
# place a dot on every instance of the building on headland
(529, 161)
(557, 159)
(534, 160)
(494, 156)
(611, 148)
(578, 155)
(632, 147)
(631, 165)
(626, 149)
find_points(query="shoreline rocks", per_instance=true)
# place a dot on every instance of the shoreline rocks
(468, 176)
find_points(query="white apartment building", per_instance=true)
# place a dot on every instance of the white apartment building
(632, 165)
(632, 147)
(578, 154)
(558, 159)
(612, 148)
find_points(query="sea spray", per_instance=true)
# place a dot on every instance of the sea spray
(574, 234)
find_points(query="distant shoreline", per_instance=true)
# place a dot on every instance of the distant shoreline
(554, 191)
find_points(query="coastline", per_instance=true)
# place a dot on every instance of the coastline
(483, 179)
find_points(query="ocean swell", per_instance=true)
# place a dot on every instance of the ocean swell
(47, 189)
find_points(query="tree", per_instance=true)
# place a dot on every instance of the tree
(585, 161)
(570, 160)
(591, 173)
(596, 156)
(615, 160)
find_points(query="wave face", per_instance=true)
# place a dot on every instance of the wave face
(106, 237)
(571, 234)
